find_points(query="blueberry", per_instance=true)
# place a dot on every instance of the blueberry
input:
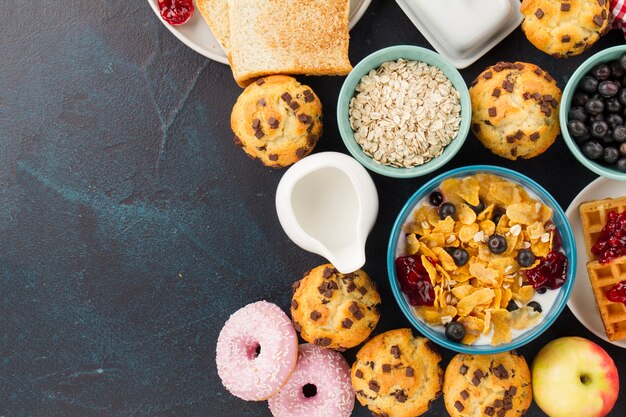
(613, 105)
(576, 128)
(455, 331)
(616, 69)
(525, 258)
(577, 113)
(622, 96)
(594, 106)
(619, 133)
(541, 290)
(582, 139)
(599, 129)
(610, 155)
(601, 72)
(597, 118)
(622, 149)
(496, 244)
(588, 84)
(447, 209)
(621, 164)
(622, 61)
(435, 198)
(607, 139)
(459, 255)
(614, 120)
(592, 149)
(512, 306)
(497, 215)
(608, 89)
(479, 208)
(580, 99)
(535, 306)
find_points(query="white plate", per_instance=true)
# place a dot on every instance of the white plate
(197, 35)
(582, 302)
(463, 30)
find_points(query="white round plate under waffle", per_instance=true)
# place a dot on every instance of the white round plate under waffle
(582, 301)
(197, 35)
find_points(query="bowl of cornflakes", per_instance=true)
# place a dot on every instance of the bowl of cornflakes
(481, 259)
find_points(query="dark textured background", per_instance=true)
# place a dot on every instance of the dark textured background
(131, 226)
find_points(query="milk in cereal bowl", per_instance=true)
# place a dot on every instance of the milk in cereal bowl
(481, 259)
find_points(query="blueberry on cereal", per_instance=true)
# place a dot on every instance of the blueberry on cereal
(435, 198)
(535, 306)
(497, 244)
(525, 258)
(459, 255)
(447, 210)
(455, 331)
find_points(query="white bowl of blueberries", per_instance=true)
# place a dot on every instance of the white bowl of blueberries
(593, 113)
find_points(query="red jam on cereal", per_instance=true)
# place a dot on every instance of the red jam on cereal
(482, 259)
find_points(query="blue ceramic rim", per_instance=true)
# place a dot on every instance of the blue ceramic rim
(568, 93)
(347, 135)
(569, 246)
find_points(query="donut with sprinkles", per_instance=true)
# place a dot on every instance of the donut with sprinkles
(319, 386)
(257, 351)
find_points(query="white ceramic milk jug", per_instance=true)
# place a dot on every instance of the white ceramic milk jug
(327, 204)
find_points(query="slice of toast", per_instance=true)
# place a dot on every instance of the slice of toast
(215, 14)
(593, 218)
(288, 37)
(603, 277)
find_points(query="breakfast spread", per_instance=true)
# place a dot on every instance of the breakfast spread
(596, 118)
(481, 259)
(487, 385)
(318, 387)
(515, 109)
(257, 350)
(277, 120)
(565, 28)
(334, 310)
(574, 377)
(405, 113)
(604, 229)
(397, 375)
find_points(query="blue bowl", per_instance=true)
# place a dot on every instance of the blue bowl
(375, 60)
(604, 56)
(558, 216)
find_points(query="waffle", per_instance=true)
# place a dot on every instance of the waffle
(603, 277)
(593, 218)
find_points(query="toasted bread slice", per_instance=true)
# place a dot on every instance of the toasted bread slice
(288, 37)
(215, 13)
(593, 218)
(603, 277)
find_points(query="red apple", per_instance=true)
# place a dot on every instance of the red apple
(574, 377)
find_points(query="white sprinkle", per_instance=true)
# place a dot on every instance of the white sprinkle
(537, 207)
(545, 238)
(479, 236)
(446, 319)
(516, 229)
(525, 245)
(450, 239)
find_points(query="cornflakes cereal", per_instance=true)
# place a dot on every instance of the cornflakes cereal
(477, 289)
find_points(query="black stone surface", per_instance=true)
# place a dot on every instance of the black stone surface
(131, 227)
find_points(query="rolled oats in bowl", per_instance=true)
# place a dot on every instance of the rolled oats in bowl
(404, 113)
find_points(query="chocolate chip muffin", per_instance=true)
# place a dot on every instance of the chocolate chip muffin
(565, 28)
(277, 120)
(397, 375)
(334, 310)
(487, 385)
(515, 109)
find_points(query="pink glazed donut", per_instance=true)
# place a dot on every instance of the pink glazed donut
(257, 350)
(320, 386)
